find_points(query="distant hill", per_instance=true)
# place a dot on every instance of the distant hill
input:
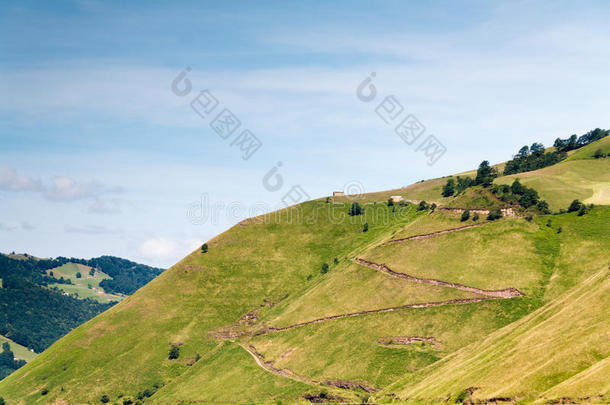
(496, 291)
(43, 299)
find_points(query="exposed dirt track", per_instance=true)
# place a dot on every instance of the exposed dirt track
(429, 235)
(506, 293)
(380, 310)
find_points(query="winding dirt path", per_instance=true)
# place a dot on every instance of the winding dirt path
(380, 310)
(506, 293)
(429, 235)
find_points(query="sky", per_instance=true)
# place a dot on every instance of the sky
(106, 149)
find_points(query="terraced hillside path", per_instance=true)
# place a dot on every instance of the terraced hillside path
(505, 293)
(431, 234)
(380, 310)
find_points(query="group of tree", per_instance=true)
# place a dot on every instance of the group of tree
(518, 193)
(577, 206)
(485, 177)
(8, 364)
(575, 142)
(533, 158)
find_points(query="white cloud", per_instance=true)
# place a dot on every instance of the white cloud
(10, 180)
(105, 206)
(7, 227)
(64, 188)
(91, 230)
(166, 250)
(26, 226)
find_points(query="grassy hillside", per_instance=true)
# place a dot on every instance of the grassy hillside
(305, 305)
(21, 352)
(87, 286)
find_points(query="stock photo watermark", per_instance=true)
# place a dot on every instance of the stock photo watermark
(406, 125)
(230, 129)
(204, 211)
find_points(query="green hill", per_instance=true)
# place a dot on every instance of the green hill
(304, 305)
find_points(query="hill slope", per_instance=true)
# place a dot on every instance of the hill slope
(305, 305)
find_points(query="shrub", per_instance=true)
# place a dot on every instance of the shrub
(355, 209)
(309, 277)
(433, 207)
(336, 261)
(44, 391)
(92, 272)
(449, 188)
(390, 202)
(204, 248)
(543, 207)
(174, 352)
(599, 154)
(494, 213)
(78, 275)
(2, 399)
(475, 217)
(465, 215)
(582, 211)
(559, 230)
(574, 206)
(485, 174)
(549, 223)
(529, 218)
(422, 206)
(104, 399)
(365, 227)
(324, 269)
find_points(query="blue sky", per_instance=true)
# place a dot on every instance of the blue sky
(99, 156)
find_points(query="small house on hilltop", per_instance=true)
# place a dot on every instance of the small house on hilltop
(338, 194)
(396, 198)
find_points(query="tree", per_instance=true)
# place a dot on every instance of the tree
(543, 207)
(537, 148)
(516, 187)
(92, 272)
(174, 352)
(465, 215)
(494, 213)
(463, 183)
(365, 227)
(485, 174)
(449, 188)
(475, 217)
(599, 154)
(355, 209)
(390, 202)
(324, 268)
(78, 275)
(523, 152)
(582, 211)
(204, 248)
(529, 197)
(559, 230)
(336, 261)
(104, 399)
(422, 206)
(2, 401)
(574, 206)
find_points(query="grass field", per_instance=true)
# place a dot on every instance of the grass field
(86, 286)
(265, 273)
(20, 352)
(586, 180)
